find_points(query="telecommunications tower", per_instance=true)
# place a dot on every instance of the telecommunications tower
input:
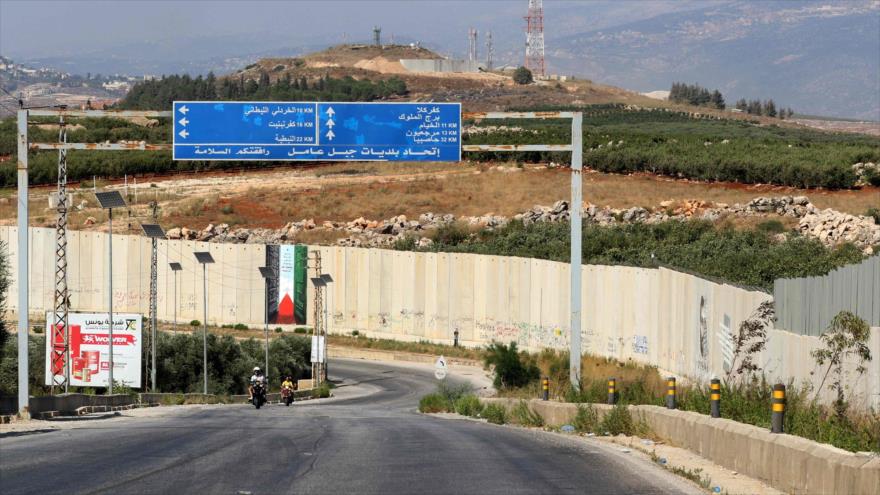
(535, 38)
(472, 45)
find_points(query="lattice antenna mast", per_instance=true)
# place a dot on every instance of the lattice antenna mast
(535, 38)
(317, 367)
(377, 36)
(472, 45)
(490, 51)
(60, 334)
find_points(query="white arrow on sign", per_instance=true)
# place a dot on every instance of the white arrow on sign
(330, 123)
(183, 121)
(330, 135)
(183, 109)
(331, 112)
(183, 133)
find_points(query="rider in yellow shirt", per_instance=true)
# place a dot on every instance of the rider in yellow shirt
(287, 383)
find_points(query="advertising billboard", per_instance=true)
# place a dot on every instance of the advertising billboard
(286, 289)
(90, 349)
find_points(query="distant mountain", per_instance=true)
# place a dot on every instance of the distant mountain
(817, 58)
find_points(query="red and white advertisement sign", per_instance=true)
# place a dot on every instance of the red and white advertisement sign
(90, 349)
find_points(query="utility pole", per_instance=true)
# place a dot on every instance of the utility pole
(472, 45)
(60, 333)
(154, 273)
(317, 331)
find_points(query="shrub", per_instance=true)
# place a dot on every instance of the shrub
(452, 393)
(434, 403)
(522, 76)
(523, 415)
(195, 323)
(495, 414)
(278, 330)
(618, 421)
(240, 326)
(355, 333)
(323, 390)
(300, 330)
(771, 227)
(586, 420)
(512, 369)
(469, 405)
(875, 214)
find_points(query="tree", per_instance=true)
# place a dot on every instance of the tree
(750, 339)
(511, 369)
(770, 108)
(522, 76)
(742, 104)
(717, 100)
(846, 337)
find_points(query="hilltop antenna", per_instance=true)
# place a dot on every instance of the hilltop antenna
(535, 38)
(472, 45)
(490, 51)
(377, 36)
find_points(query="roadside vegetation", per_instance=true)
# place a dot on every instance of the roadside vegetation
(179, 363)
(752, 257)
(745, 393)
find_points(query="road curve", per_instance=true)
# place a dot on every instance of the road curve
(369, 439)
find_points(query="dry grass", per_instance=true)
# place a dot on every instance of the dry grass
(376, 191)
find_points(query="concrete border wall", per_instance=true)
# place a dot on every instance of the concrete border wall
(679, 322)
(786, 462)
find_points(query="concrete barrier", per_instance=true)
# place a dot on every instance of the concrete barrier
(786, 462)
(383, 355)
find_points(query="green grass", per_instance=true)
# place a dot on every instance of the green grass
(469, 405)
(522, 414)
(495, 414)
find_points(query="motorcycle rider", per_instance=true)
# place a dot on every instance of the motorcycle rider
(288, 383)
(257, 376)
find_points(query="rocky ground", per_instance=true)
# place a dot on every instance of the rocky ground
(829, 226)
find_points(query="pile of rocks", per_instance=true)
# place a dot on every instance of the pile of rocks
(865, 171)
(833, 227)
(829, 226)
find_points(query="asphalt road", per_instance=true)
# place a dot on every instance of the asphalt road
(369, 439)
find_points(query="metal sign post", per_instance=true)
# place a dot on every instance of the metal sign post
(576, 148)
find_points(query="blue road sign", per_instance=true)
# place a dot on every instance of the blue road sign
(224, 130)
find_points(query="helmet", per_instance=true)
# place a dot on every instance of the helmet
(256, 369)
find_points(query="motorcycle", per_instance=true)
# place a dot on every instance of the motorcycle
(287, 395)
(259, 394)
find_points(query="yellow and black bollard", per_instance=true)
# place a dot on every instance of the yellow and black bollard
(545, 389)
(777, 419)
(612, 391)
(715, 398)
(670, 393)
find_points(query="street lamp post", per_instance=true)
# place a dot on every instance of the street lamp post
(109, 200)
(204, 258)
(154, 232)
(267, 273)
(175, 267)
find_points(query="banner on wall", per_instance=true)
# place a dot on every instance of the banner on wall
(90, 349)
(286, 289)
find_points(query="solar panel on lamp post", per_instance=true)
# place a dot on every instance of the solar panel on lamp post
(175, 267)
(109, 200)
(154, 232)
(204, 258)
(267, 273)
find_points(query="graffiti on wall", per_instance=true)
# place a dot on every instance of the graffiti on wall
(640, 344)
(703, 336)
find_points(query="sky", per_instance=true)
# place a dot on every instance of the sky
(32, 29)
